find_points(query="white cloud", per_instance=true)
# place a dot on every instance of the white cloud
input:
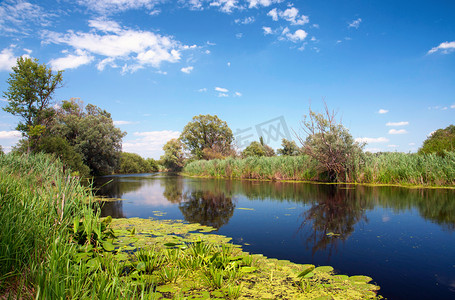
(105, 25)
(136, 48)
(355, 23)
(298, 36)
(202, 90)
(187, 70)
(222, 95)
(222, 90)
(229, 64)
(226, 6)
(452, 106)
(267, 30)
(397, 131)
(412, 144)
(19, 17)
(265, 3)
(245, 21)
(383, 111)
(238, 94)
(274, 14)
(397, 123)
(72, 61)
(149, 144)
(372, 140)
(7, 59)
(392, 146)
(239, 35)
(13, 134)
(445, 48)
(112, 6)
(193, 4)
(291, 15)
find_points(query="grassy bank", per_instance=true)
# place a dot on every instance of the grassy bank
(384, 168)
(54, 246)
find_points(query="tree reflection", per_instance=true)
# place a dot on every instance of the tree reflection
(207, 208)
(173, 189)
(332, 217)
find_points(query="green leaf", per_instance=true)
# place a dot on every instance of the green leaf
(247, 269)
(108, 246)
(306, 269)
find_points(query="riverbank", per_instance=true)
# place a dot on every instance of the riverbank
(401, 169)
(54, 246)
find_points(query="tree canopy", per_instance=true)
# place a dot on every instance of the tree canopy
(330, 143)
(91, 131)
(206, 136)
(30, 90)
(440, 141)
(173, 159)
(289, 148)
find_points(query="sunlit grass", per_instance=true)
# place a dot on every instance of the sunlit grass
(383, 168)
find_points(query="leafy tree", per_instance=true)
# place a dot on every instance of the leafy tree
(329, 143)
(253, 149)
(30, 92)
(207, 132)
(61, 148)
(258, 149)
(289, 148)
(440, 141)
(131, 163)
(91, 131)
(154, 167)
(173, 155)
(1, 150)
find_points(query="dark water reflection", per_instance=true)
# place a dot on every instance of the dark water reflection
(403, 238)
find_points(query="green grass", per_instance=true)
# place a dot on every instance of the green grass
(384, 168)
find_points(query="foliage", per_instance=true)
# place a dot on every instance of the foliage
(92, 133)
(173, 159)
(207, 132)
(154, 166)
(61, 148)
(30, 91)
(289, 148)
(440, 141)
(384, 168)
(330, 144)
(131, 163)
(258, 149)
(1, 150)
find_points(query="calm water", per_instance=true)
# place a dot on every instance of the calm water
(403, 238)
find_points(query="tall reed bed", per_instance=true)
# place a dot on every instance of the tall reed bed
(382, 168)
(262, 168)
(39, 202)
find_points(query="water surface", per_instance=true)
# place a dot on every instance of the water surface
(403, 238)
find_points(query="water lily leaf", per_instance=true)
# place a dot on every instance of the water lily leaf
(93, 263)
(332, 234)
(244, 208)
(171, 244)
(324, 269)
(108, 246)
(309, 275)
(360, 278)
(166, 288)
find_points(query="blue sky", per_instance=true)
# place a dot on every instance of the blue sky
(386, 67)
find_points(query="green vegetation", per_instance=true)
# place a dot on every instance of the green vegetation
(173, 159)
(440, 141)
(30, 91)
(131, 163)
(258, 149)
(381, 168)
(207, 137)
(289, 148)
(83, 137)
(330, 144)
(54, 246)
